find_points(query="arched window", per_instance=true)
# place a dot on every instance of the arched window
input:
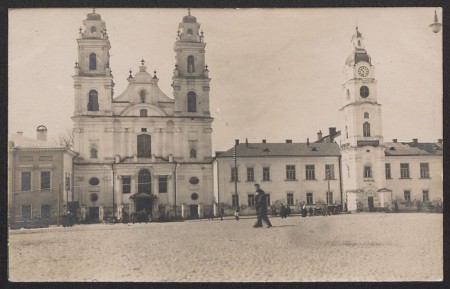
(93, 101)
(366, 129)
(143, 112)
(366, 115)
(192, 102)
(189, 31)
(142, 95)
(193, 153)
(94, 153)
(359, 42)
(348, 94)
(144, 182)
(346, 131)
(92, 61)
(144, 146)
(190, 61)
(93, 29)
(364, 91)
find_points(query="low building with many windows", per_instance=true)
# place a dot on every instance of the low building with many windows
(39, 177)
(290, 173)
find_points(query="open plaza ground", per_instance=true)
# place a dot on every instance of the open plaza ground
(346, 247)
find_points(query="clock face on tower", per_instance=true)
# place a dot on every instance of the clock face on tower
(363, 71)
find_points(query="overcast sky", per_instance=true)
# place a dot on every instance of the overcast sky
(275, 74)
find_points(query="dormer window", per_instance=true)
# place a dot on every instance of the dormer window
(92, 61)
(143, 112)
(189, 31)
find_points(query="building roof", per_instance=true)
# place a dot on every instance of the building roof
(21, 141)
(282, 149)
(412, 148)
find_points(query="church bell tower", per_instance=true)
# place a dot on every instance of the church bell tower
(363, 155)
(93, 80)
(190, 79)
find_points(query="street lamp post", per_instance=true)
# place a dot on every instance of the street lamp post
(235, 174)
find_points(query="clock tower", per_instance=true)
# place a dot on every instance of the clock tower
(362, 153)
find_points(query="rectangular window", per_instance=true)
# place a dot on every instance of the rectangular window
(126, 185)
(234, 174)
(367, 171)
(234, 200)
(309, 199)
(404, 171)
(387, 169)
(251, 199)
(290, 199)
(329, 197)
(266, 174)
(310, 172)
(250, 175)
(268, 199)
(162, 184)
(25, 181)
(26, 212)
(26, 159)
(45, 180)
(290, 172)
(407, 195)
(329, 172)
(45, 211)
(424, 171)
(46, 158)
(425, 196)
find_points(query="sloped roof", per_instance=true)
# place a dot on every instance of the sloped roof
(282, 149)
(21, 141)
(412, 148)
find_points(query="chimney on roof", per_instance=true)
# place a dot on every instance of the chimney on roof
(246, 142)
(288, 141)
(394, 140)
(439, 140)
(415, 140)
(332, 131)
(307, 141)
(263, 141)
(20, 133)
(41, 133)
(236, 141)
(319, 135)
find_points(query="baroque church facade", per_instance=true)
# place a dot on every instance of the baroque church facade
(141, 150)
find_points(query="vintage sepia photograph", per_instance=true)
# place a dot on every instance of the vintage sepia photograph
(225, 145)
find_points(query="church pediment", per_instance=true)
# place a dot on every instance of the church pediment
(143, 110)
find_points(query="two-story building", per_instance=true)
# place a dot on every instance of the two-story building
(39, 177)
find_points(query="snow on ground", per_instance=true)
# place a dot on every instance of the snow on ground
(352, 247)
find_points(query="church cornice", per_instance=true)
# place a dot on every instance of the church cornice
(359, 103)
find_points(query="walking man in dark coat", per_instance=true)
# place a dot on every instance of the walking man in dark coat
(261, 208)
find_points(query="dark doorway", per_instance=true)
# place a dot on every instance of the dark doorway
(45, 211)
(144, 203)
(370, 203)
(194, 211)
(93, 214)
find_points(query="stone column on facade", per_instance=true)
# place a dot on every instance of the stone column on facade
(184, 211)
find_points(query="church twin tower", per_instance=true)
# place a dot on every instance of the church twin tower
(141, 150)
